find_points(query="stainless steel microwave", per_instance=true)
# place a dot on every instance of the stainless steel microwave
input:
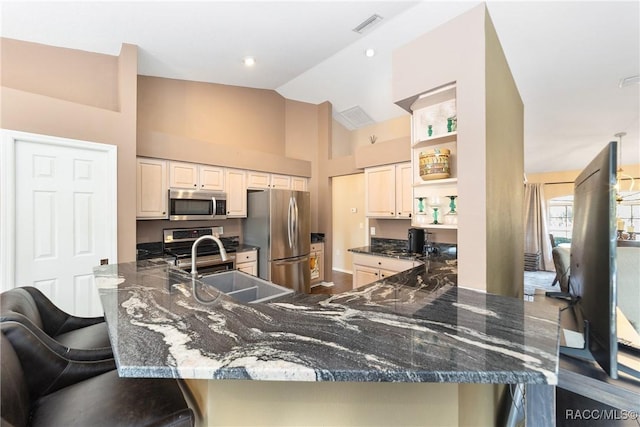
(197, 205)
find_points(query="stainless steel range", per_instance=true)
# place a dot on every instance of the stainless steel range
(177, 242)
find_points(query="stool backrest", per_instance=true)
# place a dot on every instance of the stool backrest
(14, 397)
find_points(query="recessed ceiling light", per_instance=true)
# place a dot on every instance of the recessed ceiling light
(249, 61)
(369, 52)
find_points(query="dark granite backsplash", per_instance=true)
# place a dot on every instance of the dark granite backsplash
(436, 251)
(154, 249)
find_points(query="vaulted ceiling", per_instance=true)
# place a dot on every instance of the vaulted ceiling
(567, 58)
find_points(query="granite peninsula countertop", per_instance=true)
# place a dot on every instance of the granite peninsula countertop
(415, 326)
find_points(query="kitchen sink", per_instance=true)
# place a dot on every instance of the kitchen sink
(245, 287)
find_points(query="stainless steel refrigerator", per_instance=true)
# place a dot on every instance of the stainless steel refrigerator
(278, 223)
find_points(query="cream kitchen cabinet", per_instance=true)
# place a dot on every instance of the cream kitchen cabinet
(281, 181)
(369, 268)
(389, 192)
(299, 183)
(258, 180)
(236, 189)
(247, 261)
(151, 189)
(261, 180)
(316, 262)
(193, 176)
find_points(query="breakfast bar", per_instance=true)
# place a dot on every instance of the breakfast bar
(414, 327)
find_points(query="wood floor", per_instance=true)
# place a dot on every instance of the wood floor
(341, 282)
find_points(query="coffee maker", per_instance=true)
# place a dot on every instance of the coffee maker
(416, 240)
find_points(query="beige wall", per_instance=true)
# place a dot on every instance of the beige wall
(505, 153)
(340, 141)
(89, 97)
(301, 142)
(280, 403)
(225, 125)
(482, 144)
(398, 127)
(390, 228)
(349, 228)
(558, 184)
(253, 119)
(345, 142)
(64, 74)
(324, 182)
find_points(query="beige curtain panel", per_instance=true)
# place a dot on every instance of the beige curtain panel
(536, 238)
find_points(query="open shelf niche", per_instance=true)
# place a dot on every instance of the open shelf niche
(432, 128)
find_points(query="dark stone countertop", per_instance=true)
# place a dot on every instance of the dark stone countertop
(415, 326)
(394, 248)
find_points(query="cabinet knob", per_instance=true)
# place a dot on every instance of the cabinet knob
(409, 215)
(391, 213)
(195, 185)
(379, 263)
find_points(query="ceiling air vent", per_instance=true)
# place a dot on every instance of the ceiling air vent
(368, 23)
(353, 118)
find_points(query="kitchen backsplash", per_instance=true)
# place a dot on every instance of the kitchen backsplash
(151, 230)
(437, 250)
(397, 229)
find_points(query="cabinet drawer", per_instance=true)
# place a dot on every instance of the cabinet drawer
(247, 256)
(384, 263)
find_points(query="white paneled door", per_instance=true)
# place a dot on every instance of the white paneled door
(65, 218)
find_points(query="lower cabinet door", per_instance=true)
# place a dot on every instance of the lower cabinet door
(363, 275)
(387, 273)
(248, 267)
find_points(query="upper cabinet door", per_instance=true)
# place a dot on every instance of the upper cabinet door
(281, 181)
(258, 180)
(151, 185)
(183, 175)
(404, 190)
(236, 189)
(211, 178)
(380, 194)
(298, 183)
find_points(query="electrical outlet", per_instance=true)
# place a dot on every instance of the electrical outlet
(354, 210)
(372, 231)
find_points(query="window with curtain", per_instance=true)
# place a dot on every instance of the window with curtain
(629, 211)
(560, 216)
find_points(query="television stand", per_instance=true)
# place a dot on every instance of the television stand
(559, 295)
(625, 364)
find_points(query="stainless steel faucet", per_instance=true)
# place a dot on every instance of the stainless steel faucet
(223, 252)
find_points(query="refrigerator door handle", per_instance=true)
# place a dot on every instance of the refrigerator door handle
(290, 223)
(298, 260)
(295, 222)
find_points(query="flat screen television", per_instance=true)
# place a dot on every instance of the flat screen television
(592, 281)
